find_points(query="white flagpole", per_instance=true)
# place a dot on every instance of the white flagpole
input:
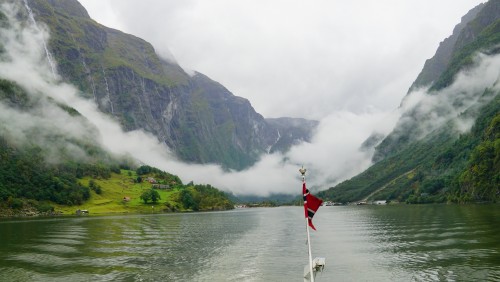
(311, 274)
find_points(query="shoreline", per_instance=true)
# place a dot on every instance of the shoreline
(31, 212)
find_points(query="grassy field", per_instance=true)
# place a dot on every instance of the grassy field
(114, 190)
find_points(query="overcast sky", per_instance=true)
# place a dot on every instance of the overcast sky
(295, 58)
(347, 64)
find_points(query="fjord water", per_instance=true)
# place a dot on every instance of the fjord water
(360, 243)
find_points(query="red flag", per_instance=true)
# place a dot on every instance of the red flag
(311, 205)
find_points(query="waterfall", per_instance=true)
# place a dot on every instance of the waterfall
(88, 72)
(107, 90)
(144, 94)
(275, 142)
(47, 52)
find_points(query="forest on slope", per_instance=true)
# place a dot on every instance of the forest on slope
(446, 147)
(52, 157)
(44, 170)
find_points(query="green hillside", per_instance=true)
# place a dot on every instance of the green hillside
(439, 168)
(445, 164)
(28, 183)
(121, 193)
(46, 169)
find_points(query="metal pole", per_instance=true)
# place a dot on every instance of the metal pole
(311, 274)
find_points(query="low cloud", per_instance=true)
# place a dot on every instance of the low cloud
(334, 154)
(425, 111)
(295, 58)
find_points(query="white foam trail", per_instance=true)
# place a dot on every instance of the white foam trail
(50, 59)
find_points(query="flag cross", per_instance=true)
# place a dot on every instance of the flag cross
(311, 205)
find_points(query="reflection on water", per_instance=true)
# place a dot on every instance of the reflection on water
(360, 243)
(417, 243)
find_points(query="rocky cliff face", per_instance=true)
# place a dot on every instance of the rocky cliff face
(436, 65)
(476, 32)
(195, 116)
(291, 131)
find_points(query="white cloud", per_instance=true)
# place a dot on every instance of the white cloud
(429, 110)
(305, 71)
(339, 134)
(292, 57)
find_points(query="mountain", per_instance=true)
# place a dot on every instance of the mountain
(52, 150)
(446, 145)
(436, 65)
(198, 118)
(291, 131)
(42, 162)
(50, 165)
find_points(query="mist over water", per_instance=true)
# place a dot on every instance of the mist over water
(333, 155)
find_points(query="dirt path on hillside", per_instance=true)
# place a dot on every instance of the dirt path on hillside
(387, 184)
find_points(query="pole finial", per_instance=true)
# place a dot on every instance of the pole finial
(303, 172)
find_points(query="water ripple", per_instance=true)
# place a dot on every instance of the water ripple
(360, 244)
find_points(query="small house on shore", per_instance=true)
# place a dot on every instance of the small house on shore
(82, 212)
(151, 180)
(160, 186)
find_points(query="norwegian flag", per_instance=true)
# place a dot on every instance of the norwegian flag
(311, 205)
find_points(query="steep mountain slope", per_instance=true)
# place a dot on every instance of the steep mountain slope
(291, 132)
(436, 65)
(43, 160)
(199, 119)
(445, 145)
(51, 153)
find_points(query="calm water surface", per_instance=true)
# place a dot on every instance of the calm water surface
(360, 243)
